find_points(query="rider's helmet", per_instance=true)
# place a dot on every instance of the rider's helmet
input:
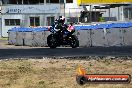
(62, 19)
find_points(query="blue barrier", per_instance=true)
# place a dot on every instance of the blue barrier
(39, 29)
(13, 29)
(122, 25)
(88, 27)
(102, 26)
(28, 29)
(79, 27)
(85, 27)
(129, 24)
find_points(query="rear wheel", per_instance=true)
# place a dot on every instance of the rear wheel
(74, 41)
(52, 41)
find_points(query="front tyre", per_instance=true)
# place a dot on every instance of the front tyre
(74, 41)
(52, 41)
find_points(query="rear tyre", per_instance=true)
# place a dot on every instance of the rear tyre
(52, 41)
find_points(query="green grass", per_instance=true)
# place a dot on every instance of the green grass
(4, 38)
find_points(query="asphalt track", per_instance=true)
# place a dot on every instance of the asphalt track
(65, 52)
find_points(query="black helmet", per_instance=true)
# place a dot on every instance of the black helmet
(62, 19)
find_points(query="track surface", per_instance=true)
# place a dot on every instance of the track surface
(65, 52)
(11, 51)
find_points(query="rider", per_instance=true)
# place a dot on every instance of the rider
(59, 24)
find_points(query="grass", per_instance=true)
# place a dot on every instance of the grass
(58, 73)
(4, 38)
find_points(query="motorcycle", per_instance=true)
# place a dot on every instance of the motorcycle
(62, 36)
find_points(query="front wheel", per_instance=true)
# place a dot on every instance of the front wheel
(52, 41)
(73, 41)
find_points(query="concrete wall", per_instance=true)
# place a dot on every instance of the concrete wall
(127, 36)
(87, 38)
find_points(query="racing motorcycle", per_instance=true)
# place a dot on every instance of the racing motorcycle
(62, 36)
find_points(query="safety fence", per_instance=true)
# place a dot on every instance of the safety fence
(108, 34)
